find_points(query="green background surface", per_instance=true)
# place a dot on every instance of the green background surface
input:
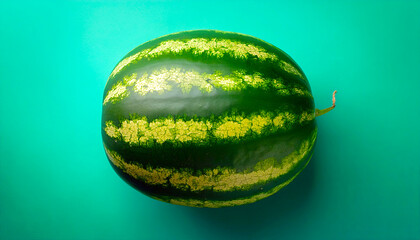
(363, 181)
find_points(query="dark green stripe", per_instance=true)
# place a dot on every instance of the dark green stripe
(163, 192)
(240, 155)
(173, 104)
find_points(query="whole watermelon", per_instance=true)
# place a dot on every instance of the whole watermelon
(208, 118)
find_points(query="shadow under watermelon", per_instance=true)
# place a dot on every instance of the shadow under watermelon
(285, 209)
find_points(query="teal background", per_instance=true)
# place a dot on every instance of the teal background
(363, 181)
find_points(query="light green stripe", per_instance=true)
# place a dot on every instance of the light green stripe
(208, 47)
(228, 203)
(159, 81)
(119, 91)
(220, 179)
(199, 46)
(233, 127)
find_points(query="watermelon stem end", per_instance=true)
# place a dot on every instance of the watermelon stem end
(324, 111)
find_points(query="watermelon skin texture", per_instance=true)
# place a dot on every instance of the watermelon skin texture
(208, 118)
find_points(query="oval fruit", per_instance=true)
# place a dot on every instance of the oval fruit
(208, 118)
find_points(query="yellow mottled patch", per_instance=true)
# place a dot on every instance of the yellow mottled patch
(150, 175)
(182, 132)
(200, 46)
(140, 131)
(161, 80)
(111, 130)
(290, 68)
(255, 80)
(129, 131)
(125, 62)
(145, 135)
(177, 131)
(278, 121)
(227, 203)
(307, 116)
(259, 122)
(130, 80)
(188, 79)
(155, 82)
(290, 118)
(284, 92)
(231, 129)
(227, 83)
(162, 131)
(298, 91)
(218, 179)
(197, 130)
(117, 92)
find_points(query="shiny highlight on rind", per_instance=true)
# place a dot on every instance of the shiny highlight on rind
(161, 80)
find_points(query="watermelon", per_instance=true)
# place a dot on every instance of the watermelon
(208, 118)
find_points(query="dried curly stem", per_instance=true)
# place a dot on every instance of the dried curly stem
(324, 111)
